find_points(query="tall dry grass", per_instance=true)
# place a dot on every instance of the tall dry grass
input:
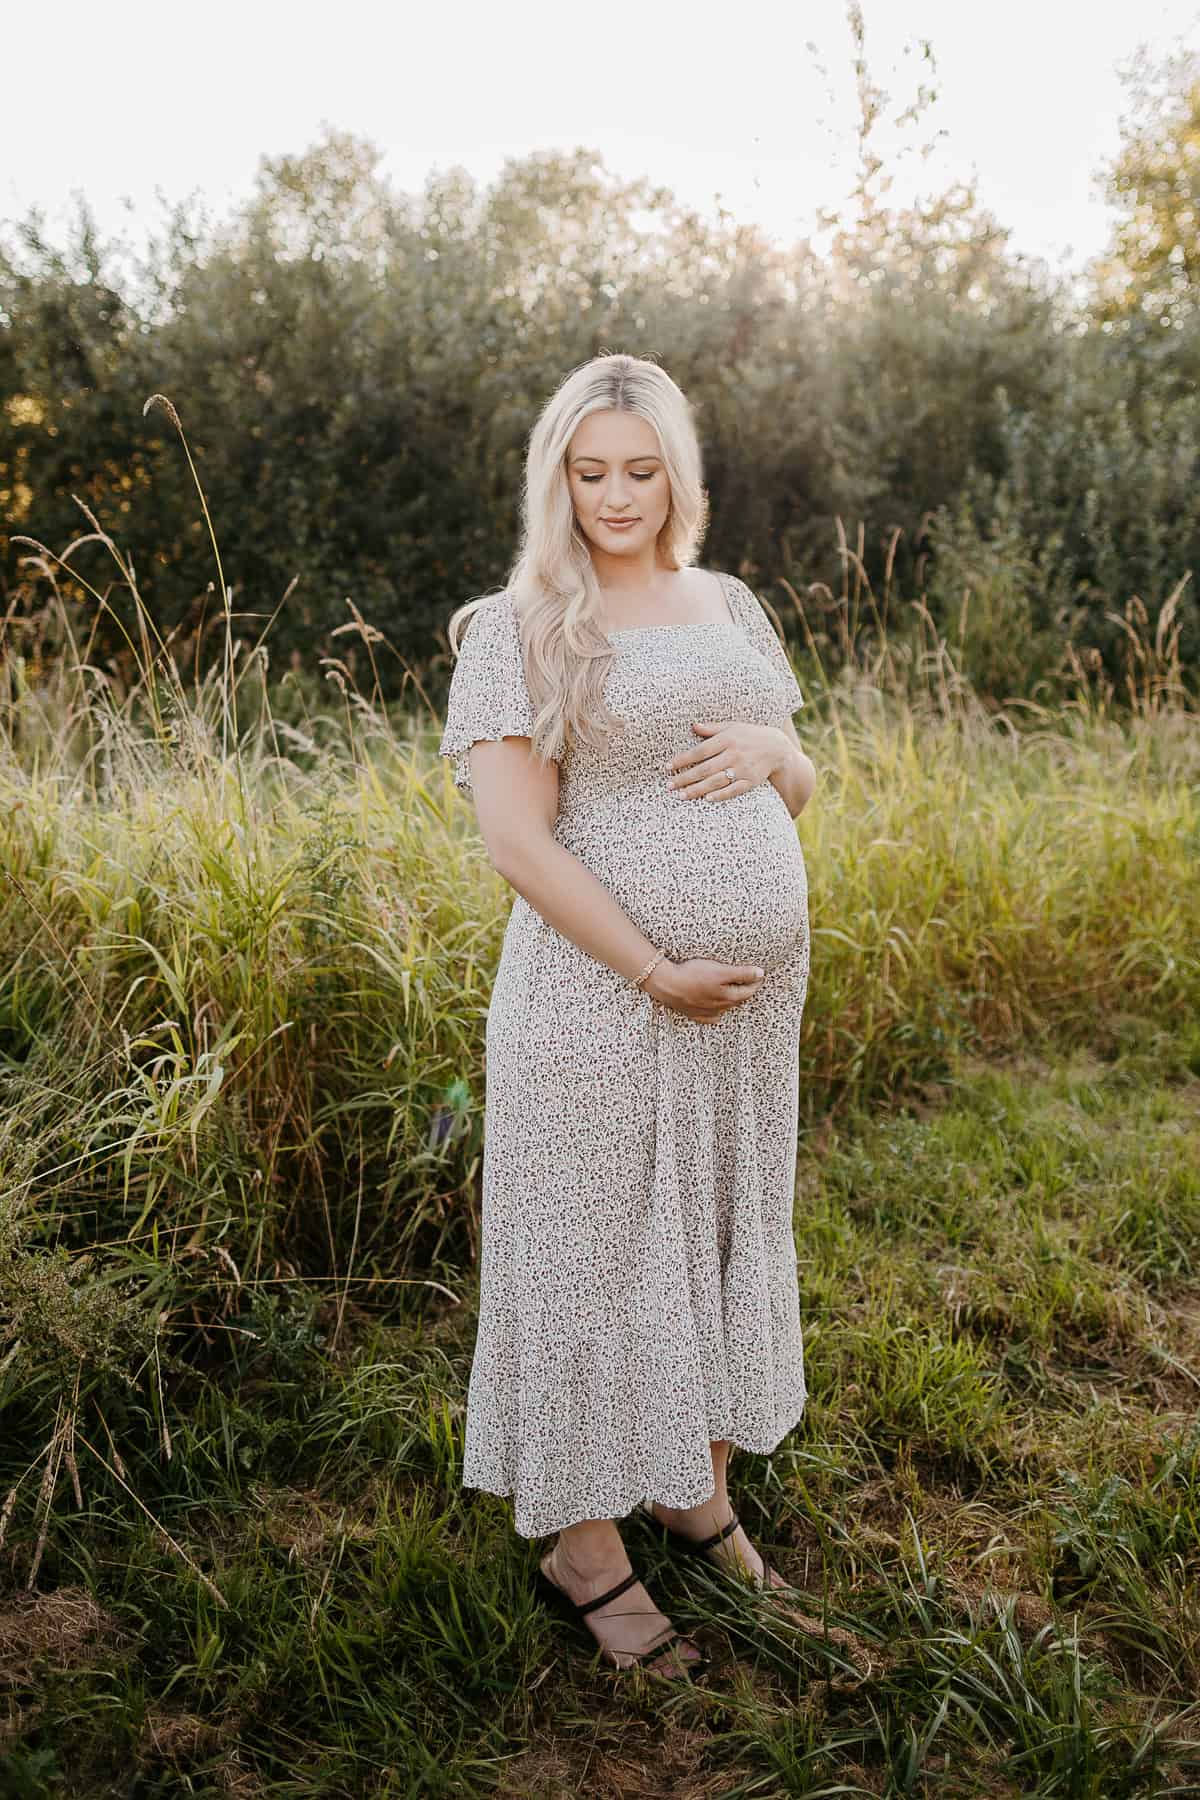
(249, 927)
(247, 932)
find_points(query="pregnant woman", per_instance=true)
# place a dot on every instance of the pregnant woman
(623, 720)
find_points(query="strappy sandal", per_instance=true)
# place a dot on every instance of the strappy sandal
(702, 1546)
(815, 1627)
(560, 1598)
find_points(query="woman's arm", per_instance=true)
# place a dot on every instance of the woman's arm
(516, 802)
(794, 777)
(517, 805)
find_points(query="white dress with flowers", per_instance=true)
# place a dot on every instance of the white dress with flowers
(638, 1285)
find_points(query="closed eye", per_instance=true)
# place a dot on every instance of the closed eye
(649, 477)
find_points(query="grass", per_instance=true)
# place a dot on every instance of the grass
(246, 940)
(993, 1506)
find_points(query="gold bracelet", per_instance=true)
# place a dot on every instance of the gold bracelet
(652, 964)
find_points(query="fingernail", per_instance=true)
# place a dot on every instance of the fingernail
(760, 971)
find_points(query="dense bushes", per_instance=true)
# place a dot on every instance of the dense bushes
(357, 371)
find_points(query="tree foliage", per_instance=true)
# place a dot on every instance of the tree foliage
(357, 371)
(1153, 265)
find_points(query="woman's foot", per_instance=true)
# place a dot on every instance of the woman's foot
(735, 1552)
(629, 1624)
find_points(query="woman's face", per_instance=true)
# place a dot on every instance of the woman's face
(615, 471)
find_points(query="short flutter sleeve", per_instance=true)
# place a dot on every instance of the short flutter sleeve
(764, 637)
(488, 696)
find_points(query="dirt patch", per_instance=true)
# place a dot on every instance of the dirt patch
(303, 1521)
(672, 1764)
(60, 1631)
(179, 1740)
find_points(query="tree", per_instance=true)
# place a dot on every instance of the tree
(1152, 267)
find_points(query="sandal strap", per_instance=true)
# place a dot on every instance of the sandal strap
(725, 1531)
(590, 1605)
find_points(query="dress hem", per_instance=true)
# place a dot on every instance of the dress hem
(621, 1508)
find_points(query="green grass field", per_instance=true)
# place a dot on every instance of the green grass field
(246, 940)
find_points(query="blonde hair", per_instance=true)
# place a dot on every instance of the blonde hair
(552, 583)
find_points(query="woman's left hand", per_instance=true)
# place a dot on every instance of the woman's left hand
(753, 752)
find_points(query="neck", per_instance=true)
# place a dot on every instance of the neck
(627, 574)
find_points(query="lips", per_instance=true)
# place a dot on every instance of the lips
(618, 522)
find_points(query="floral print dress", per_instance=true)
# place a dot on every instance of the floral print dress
(638, 1284)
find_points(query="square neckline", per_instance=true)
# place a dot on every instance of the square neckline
(685, 624)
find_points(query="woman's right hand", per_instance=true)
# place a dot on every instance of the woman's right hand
(700, 988)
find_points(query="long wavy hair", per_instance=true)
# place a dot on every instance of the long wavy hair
(552, 583)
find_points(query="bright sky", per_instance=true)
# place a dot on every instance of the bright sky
(747, 102)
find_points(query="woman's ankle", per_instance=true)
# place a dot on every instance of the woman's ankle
(589, 1548)
(717, 1510)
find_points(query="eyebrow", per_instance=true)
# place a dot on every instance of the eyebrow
(648, 457)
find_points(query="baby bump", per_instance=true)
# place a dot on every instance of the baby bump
(718, 878)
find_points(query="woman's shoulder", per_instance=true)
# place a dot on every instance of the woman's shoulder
(497, 604)
(489, 615)
(742, 597)
(733, 589)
